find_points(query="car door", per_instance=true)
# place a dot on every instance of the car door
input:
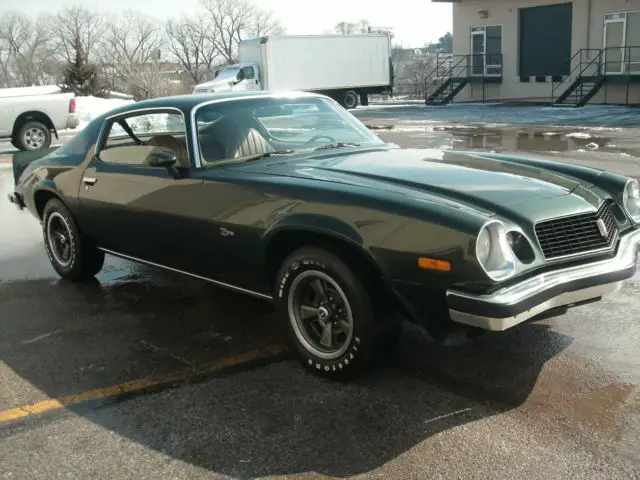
(131, 207)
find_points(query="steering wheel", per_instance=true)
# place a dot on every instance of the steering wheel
(318, 137)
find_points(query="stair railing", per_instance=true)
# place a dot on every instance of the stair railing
(446, 67)
(581, 63)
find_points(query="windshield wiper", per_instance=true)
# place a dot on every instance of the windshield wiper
(337, 145)
(268, 154)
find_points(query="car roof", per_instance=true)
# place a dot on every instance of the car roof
(188, 101)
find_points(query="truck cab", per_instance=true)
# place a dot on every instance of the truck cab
(238, 77)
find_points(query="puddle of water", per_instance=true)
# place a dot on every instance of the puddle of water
(612, 149)
(509, 139)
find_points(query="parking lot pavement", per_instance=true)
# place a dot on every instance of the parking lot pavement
(148, 374)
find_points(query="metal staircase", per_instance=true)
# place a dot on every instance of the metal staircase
(582, 82)
(447, 91)
(454, 72)
(581, 91)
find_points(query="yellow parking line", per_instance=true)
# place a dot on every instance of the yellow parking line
(140, 384)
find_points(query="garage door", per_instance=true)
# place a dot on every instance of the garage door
(545, 40)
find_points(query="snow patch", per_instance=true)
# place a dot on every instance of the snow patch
(21, 91)
(88, 108)
(578, 135)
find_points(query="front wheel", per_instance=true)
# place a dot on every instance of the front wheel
(328, 314)
(72, 256)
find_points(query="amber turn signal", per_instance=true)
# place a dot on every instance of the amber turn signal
(433, 264)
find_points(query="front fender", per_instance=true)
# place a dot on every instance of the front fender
(317, 223)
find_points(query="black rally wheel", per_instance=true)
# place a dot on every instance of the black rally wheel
(328, 314)
(71, 255)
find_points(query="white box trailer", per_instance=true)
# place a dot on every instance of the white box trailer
(344, 67)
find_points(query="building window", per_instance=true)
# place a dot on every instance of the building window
(621, 43)
(486, 51)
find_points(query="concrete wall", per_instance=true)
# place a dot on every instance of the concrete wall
(587, 32)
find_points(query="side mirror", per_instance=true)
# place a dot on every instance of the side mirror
(166, 159)
(162, 158)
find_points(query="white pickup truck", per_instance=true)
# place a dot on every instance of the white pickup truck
(30, 119)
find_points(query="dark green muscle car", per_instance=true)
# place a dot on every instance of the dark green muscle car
(290, 198)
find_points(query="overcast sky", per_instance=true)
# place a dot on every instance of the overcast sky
(414, 22)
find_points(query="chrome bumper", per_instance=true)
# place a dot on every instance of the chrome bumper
(517, 303)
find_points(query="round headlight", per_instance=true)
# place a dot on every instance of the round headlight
(483, 246)
(493, 251)
(631, 199)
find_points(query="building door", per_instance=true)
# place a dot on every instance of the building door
(614, 35)
(486, 51)
(478, 44)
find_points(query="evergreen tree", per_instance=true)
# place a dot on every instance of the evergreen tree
(80, 76)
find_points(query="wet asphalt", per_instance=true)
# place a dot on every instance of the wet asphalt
(552, 399)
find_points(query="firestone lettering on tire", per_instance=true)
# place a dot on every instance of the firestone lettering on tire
(293, 268)
(341, 364)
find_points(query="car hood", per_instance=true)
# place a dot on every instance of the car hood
(474, 178)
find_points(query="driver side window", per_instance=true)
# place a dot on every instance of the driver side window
(131, 139)
(248, 73)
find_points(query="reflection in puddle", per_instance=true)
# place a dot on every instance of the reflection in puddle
(617, 150)
(530, 141)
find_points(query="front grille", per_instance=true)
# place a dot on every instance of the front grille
(577, 234)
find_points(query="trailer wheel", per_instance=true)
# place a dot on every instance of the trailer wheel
(350, 99)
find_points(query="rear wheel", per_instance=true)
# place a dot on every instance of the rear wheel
(33, 136)
(72, 256)
(330, 318)
(350, 99)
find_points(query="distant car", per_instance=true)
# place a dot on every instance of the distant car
(30, 120)
(290, 198)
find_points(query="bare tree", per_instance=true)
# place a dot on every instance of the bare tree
(233, 20)
(26, 48)
(229, 19)
(190, 42)
(264, 22)
(6, 57)
(77, 23)
(416, 73)
(349, 28)
(131, 54)
(397, 58)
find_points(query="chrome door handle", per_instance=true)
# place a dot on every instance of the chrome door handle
(89, 180)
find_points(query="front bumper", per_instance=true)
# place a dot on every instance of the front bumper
(517, 303)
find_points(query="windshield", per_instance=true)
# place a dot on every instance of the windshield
(249, 127)
(227, 73)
